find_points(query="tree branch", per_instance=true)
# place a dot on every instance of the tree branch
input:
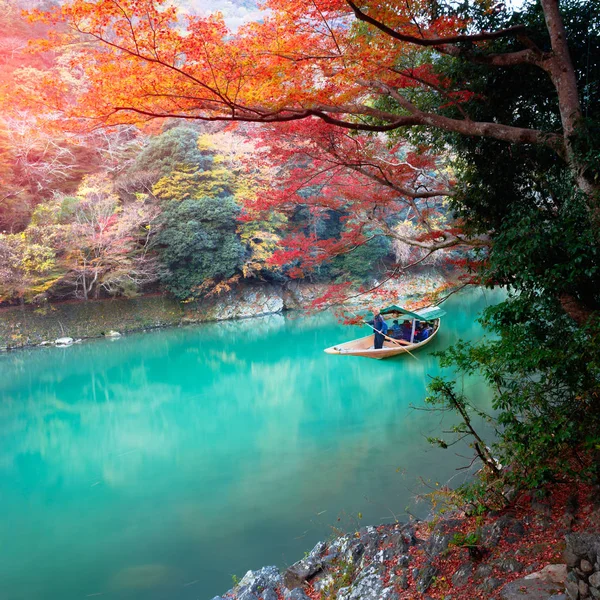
(434, 41)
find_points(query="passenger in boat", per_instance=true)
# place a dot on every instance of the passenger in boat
(396, 330)
(418, 329)
(426, 331)
(380, 328)
(406, 330)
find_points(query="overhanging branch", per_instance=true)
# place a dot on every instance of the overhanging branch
(434, 41)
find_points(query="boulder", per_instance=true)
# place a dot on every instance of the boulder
(371, 539)
(490, 584)
(483, 571)
(403, 560)
(369, 585)
(441, 536)
(296, 594)
(572, 586)
(556, 574)
(508, 565)
(586, 566)
(322, 582)
(529, 589)
(505, 527)
(301, 571)
(403, 539)
(349, 548)
(252, 302)
(63, 342)
(462, 574)
(112, 334)
(581, 545)
(255, 584)
(425, 578)
(383, 555)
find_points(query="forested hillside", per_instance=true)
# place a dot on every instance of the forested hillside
(185, 207)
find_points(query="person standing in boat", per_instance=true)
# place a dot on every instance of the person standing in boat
(380, 328)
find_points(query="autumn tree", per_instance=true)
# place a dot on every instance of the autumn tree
(26, 269)
(361, 67)
(346, 194)
(109, 242)
(100, 245)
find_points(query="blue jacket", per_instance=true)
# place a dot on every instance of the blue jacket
(379, 324)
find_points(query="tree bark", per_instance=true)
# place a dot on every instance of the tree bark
(562, 72)
(577, 310)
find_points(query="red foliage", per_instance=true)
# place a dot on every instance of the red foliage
(368, 184)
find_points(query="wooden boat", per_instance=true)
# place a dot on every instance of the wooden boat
(364, 346)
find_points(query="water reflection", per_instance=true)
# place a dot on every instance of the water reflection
(158, 464)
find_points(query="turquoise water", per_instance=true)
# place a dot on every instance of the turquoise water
(158, 465)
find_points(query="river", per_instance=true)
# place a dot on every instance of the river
(158, 465)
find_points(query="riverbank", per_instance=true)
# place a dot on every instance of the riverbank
(536, 550)
(30, 326)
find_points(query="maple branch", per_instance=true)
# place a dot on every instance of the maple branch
(155, 60)
(404, 191)
(328, 28)
(446, 45)
(506, 133)
(434, 87)
(434, 41)
(362, 167)
(416, 117)
(529, 56)
(445, 243)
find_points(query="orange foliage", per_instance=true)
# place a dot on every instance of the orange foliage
(143, 59)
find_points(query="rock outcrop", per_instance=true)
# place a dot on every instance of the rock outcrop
(518, 557)
(582, 555)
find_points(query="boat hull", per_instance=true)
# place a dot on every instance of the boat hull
(364, 347)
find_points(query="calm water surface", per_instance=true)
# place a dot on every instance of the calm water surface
(156, 466)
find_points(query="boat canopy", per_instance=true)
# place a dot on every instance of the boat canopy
(423, 314)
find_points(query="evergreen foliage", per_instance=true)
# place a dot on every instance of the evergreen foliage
(198, 242)
(170, 151)
(542, 365)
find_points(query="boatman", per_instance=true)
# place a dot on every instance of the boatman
(379, 329)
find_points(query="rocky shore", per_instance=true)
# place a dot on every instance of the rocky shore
(539, 549)
(31, 326)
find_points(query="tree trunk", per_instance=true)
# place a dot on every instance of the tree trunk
(85, 291)
(561, 71)
(577, 310)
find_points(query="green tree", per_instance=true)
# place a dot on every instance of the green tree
(542, 361)
(198, 243)
(171, 150)
(365, 262)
